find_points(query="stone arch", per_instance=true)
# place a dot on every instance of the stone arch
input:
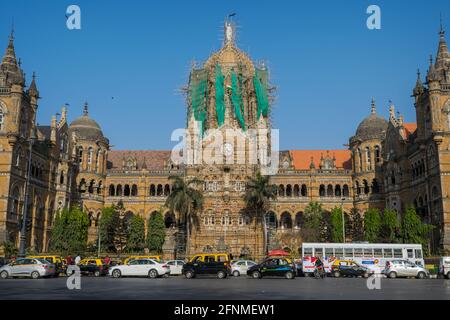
(337, 190)
(271, 220)
(330, 192)
(127, 190)
(366, 187)
(91, 186)
(99, 187)
(134, 190)
(299, 219)
(152, 190)
(345, 191)
(159, 190)
(304, 191)
(296, 190)
(357, 187)
(91, 218)
(286, 220)
(112, 190)
(169, 219)
(119, 190)
(166, 190)
(82, 185)
(281, 190)
(322, 190)
(288, 190)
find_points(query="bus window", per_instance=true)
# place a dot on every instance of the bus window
(348, 252)
(358, 252)
(368, 253)
(398, 253)
(378, 253)
(410, 253)
(307, 251)
(418, 253)
(318, 252)
(329, 252)
(339, 252)
(387, 253)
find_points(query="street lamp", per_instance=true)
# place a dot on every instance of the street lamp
(23, 231)
(343, 220)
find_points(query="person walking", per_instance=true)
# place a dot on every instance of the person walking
(69, 260)
(107, 260)
(77, 259)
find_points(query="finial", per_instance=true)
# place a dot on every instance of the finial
(373, 107)
(11, 35)
(418, 73)
(441, 29)
(229, 29)
(85, 109)
(431, 59)
(34, 76)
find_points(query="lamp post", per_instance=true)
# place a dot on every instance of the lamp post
(343, 220)
(99, 235)
(23, 231)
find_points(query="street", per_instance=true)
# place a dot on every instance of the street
(174, 288)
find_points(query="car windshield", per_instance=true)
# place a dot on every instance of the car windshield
(43, 261)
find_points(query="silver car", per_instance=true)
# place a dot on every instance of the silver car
(241, 266)
(405, 268)
(26, 267)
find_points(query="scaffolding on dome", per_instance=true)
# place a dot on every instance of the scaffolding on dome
(220, 95)
(260, 83)
(236, 98)
(197, 88)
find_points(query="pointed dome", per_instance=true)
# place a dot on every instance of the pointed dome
(10, 72)
(85, 127)
(372, 127)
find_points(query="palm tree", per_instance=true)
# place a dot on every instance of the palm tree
(258, 194)
(186, 200)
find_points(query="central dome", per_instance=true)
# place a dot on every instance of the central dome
(372, 127)
(86, 128)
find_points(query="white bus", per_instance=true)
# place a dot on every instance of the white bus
(370, 255)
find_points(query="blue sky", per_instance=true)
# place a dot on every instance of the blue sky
(324, 61)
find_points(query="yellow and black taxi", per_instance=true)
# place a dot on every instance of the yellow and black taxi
(93, 266)
(217, 264)
(157, 258)
(349, 268)
(273, 267)
(58, 261)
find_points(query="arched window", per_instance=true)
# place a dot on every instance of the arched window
(61, 177)
(377, 154)
(286, 220)
(169, 219)
(112, 191)
(134, 190)
(368, 159)
(90, 155)
(97, 161)
(80, 155)
(2, 119)
(298, 220)
(166, 190)
(82, 186)
(304, 191)
(119, 190)
(152, 190)
(375, 186)
(322, 191)
(271, 220)
(296, 190)
(91, 186)
(99, 187)
(366, 187)
(19, 156)
(159, 190)
(360, 159)
(281, 190)
(288, 190)
(14, 212)
(126, 190)
(337, 191)
(345, 191)
(329, 190)
(357, 187)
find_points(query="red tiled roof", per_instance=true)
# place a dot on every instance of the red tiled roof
(154, 159)
(410, 128)
(302, 158)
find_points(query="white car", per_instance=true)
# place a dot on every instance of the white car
(140, 267)
(175, 266)
(27, 267)
(240, 267)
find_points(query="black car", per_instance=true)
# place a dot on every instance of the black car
(209, 267)
(94, 267)
(349, 269)
(273, 267)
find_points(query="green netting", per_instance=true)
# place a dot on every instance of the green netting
(198, 92)
(220, 96)
(236, 99)
(260, 83)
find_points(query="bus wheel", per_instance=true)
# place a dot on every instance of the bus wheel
(392, 275)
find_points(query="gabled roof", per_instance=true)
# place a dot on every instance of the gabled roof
(410, 128)
(154, 159)
(302, 158)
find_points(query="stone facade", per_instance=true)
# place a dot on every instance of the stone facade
(389, 163)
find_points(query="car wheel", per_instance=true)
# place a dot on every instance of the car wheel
(289, 275)
(153, 274)
(97, 273)
(392, 275)
(336, 274)
(365, 275)
(189, 274)
(256, 275)
(35, 275)
(221, 275)
(4, 274)
(236, 273)
(421, 275)
(116, 273)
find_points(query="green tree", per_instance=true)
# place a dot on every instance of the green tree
(258, 194)
(120, 228)
(9, 249)
(356, 225)
(156, 232)
(70, 231)
(336, 225)
(136, 234)
(313, 222)
(390, 226)
(107, 224)
(186, 200)
(372, 224)
(414, 230)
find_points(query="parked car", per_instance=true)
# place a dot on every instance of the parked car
(176, 266)
(299, 268)
(241, 266)
(207, 264)
(140, 268)
(58, 261)
(26, 267)
(153, 257)
(273, 267)
(444, 267)
(349, 268)
(93, 266)
(404, 268)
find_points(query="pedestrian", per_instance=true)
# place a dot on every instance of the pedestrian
(77, 259)
(107, 260)
(69, 260)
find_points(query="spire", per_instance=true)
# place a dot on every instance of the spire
(373, 109)
(10, 54)
(391, 111)
(85, 109)
(418, 90)
(33, 91)
(442, 49)
(9, 66)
